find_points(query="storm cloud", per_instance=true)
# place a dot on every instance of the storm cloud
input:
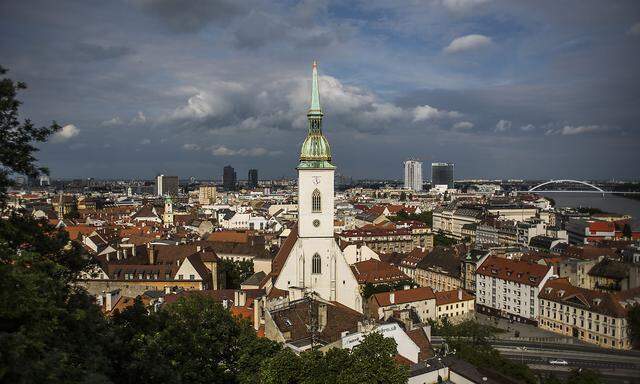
(504, 89)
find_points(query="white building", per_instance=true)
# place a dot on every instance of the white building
(413, 175)
(310, 260)
(509, 288)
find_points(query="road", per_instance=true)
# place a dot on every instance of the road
(614, 366)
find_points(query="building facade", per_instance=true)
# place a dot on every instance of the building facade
(229, 178)
(413, 175)
(207, 195)
(167, 185)
(252, 179)
(442, 174)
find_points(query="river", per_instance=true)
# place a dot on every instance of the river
(608, 203)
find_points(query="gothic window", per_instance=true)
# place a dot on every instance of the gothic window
(315, 201)
(316, 264)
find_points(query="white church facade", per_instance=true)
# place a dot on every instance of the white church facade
(311, 261)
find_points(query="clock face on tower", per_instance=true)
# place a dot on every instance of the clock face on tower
(316, 180)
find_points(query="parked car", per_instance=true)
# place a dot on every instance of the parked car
(558, 362)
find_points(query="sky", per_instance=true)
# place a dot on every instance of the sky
(503, 89)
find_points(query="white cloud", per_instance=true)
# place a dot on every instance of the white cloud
(468, 42)
(245, 152)
(139, 119)
(427, 112)
(191, 147)
(528, 127)
(503, 126)
(463, 125)
(145, 141)
(635, 29)
(569, 130)
(462, 5)
(66, 133)
(111, 122)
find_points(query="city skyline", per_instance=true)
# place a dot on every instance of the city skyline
(502, 90)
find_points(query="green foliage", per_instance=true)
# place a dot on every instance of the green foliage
(470, 340)
(627, 231)
(49, 331)
(633, 319)
(235, 272)
(370, 362)
(441, 240)
(590, 210)
(194, 340)
(583, 376)
(403, 196)
(424, 217)
(17, 138)
(371, 289)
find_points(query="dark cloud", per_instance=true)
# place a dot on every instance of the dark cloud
(91, 52)
(188, 86)
(188, 16)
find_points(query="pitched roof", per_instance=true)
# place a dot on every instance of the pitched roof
(610, 269)
(561, 291)
(285, 250)
(452, 296)
(513, 270)
(405, 296)
(295, 319)
(377, 272)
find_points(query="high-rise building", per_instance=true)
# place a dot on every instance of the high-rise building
(413, 175)
(442, 174)
(229, 178)
(253, 178)
(167, 185)
(206, 195)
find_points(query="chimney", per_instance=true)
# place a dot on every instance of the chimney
(124, 253)
(107, 257)
(240, 298)
(459, 294)
(198, 248)
(119, 254)
(392, 297)
(133, 250)
(152, 255)
(322, 316)
(108, 304)
(167, 290)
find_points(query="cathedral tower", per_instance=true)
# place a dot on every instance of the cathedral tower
(315, 174)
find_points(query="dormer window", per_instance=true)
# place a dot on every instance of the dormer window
(316, 203)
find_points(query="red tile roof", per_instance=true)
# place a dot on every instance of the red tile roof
(377, 272)
(452, 296)
(512, 270)
(405, 296)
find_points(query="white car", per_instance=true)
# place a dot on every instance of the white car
(558, 362)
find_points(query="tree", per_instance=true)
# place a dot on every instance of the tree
(583, 376)
(17, 138)
(50, 331)
(235, 272)
(403, 196)
(370, 362)
(633, 319)
(626, 231)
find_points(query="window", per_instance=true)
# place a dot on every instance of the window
(316, 263)
(316, 205)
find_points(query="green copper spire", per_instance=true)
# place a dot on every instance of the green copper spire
(315, 152)
(315, 93)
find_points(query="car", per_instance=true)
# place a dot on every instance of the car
(558, 362)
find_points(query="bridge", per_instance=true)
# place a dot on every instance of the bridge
(593, 188)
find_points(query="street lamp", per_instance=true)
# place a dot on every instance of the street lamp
(522, 349)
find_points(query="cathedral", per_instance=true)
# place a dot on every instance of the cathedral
(310, 260)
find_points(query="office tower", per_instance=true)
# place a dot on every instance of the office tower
(167, 185)
(252, 179)
(229, 178)
(413, 175)
(206, 195)
(442, 174)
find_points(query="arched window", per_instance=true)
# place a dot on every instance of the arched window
(316, 205)
(316, 264)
